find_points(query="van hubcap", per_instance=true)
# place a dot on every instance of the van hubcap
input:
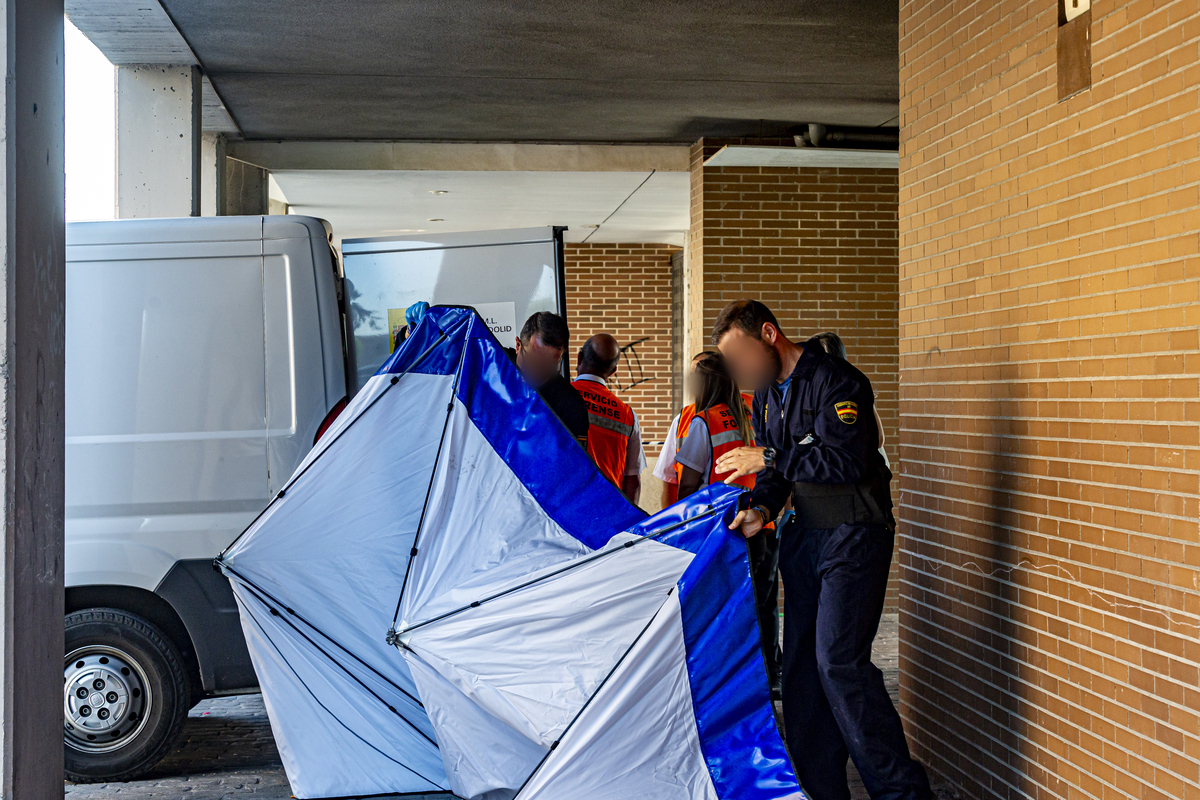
(106, 698)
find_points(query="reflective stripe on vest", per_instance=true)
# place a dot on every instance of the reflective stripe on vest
(610, 424)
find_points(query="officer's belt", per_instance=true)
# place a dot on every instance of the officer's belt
(822, 505)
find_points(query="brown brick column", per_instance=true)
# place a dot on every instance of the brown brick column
(1050, 300)
(819, 246)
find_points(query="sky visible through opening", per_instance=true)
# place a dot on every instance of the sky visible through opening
(91, 153)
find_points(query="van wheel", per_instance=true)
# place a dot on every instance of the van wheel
(125, 695)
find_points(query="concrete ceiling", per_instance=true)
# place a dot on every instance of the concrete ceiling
(627, 206)
(544, 70)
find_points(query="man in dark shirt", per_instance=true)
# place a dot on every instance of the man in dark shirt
(814, 423)
(538, 355)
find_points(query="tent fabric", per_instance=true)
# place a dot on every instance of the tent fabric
(447, 596)
(648, 693)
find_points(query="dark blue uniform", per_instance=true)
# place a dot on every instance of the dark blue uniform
(834, 559)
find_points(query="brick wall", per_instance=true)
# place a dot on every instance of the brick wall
(1050, 612)
(625, 290)
(819, 246)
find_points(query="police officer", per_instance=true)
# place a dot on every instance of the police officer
(814, 422)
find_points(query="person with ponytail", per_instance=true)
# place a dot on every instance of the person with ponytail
(715, 424)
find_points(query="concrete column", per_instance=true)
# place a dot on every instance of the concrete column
(247, 189)
(277, 203)
(212, 174)
(31, 401)
(694, 335)
(158, 141)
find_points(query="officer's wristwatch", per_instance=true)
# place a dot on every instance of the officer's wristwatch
(768, 455)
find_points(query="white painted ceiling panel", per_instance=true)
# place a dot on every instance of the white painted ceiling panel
(627, 206)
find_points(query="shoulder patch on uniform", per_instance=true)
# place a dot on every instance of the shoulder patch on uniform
(847, 411)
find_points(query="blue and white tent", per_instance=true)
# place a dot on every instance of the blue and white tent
(448, 597)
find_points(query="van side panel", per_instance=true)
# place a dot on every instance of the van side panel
(295, 374)
(325, 282)
(166, 406)
(196, 379)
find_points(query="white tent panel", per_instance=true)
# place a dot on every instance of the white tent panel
(369, 493)
(376, 386)
(483, 529)
(637, 738)
(334, 739)
(483, 757)
(533, 656)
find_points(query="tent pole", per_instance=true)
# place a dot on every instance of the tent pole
(588, 702)
(437, 458)
(275, 613)
(297, 476)
(393, 635)
(257, 590)
(300, 681)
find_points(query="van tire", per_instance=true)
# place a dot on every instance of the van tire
(130, 677)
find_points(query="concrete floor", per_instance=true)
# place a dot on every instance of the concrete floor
(226, 750)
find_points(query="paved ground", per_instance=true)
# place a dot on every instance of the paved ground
(226, 750)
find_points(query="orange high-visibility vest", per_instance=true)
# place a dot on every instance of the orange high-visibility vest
(686, 414)
(722, 432)
(610, 424)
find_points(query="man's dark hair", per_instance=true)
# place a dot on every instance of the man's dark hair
(832, 344)
(745, 315)
(591, 362)
(551, 329)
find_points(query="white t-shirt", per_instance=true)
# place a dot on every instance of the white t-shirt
(664, 468)
(635, 456)
(696, 449)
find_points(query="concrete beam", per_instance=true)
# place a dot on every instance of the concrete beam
(130, 31)
(31, 401)
(158, 141)
(133, 32)
(462, 157)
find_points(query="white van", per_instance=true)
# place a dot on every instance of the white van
(203, 355)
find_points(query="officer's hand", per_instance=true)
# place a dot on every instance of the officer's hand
(742, 461)
(750, 521)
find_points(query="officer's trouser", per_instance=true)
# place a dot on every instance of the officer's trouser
(834, 701)
(764, 573)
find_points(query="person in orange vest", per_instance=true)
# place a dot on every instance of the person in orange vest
(665, 468)
(715, 424)
(614, 434)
